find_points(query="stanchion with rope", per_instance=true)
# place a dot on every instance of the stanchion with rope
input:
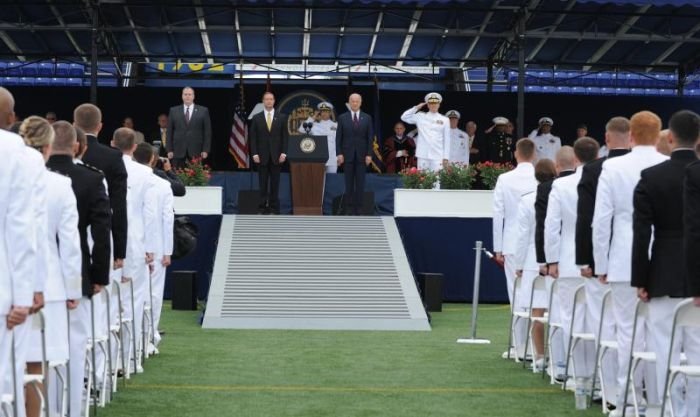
(473, 340)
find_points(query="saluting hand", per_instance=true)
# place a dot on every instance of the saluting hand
(421, 105)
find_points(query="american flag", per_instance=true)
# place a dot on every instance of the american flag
(238, 139)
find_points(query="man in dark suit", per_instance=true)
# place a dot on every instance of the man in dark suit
(661, 279)
(88, 117)
(353, 144)
(188, 131)
(565, 165)
(93, 212)
(268, 144)
(617, 140)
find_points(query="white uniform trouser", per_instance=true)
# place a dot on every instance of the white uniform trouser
(556, 340)
(624, 299)
(80, 330)
(22, 333)
(430, 165)
(140, 284)
(660, 323)
(101, 332)
(158, 286)
(5, 356)
(595, 291)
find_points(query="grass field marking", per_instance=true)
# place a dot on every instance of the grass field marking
(371, 390)
(494, 308)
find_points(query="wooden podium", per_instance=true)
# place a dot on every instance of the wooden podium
(307, 155)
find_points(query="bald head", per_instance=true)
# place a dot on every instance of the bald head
(88, 117)
(7, 108)
(65, 138)
(565, 159)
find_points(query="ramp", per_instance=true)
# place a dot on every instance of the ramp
(312, 272)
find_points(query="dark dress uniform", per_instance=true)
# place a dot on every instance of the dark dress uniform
(498, 147)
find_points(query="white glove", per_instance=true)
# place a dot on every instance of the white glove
(399, 154)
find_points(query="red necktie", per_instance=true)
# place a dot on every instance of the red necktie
(355, 121)
(187, 114)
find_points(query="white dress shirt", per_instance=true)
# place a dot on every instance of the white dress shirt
(560, 224)
(433, 140)
(510, 186)
(612, 219)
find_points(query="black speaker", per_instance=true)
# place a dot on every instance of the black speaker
(248, 201)
(430, 286)
(339, 204)
(184, 294)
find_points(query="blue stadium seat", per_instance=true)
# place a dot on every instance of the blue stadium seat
(76, 70)
(30, 70)
(46, 69)
(62, 69)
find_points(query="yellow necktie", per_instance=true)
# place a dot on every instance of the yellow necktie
(269, 121)
(163, 137)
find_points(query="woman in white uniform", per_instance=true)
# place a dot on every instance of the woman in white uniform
(63, 262)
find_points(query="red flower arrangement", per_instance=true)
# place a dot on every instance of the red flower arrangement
(489, 172)
(195, 173)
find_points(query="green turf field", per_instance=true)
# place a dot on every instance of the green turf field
(333, 373)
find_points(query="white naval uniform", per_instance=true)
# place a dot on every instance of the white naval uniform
(37, 179)
(510, 186)
(459, 147)
(325, 128)
(612, 245)
(546, 144)
(138, 215)
(18, 256)
(64, 263)
(159, 242)
(433, 140)
(525, 258)
(560, 247)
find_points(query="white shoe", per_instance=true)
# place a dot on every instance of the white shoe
(510, 352)
(538, 365)
(152, 350)
(630, 412)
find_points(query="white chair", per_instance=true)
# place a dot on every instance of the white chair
(637, 357)
(6, 405)
(515, 317)
(552, 326)
(38, 382)
(538, 284)
(576, 337)
(603, 347)
(686, 314)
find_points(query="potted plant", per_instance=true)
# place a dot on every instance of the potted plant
(489, 172)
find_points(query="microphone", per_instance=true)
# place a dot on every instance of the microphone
(307, 126)
(492, 257)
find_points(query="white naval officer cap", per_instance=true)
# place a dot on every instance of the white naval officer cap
(546, 121)
(500, 120)
(324, 105)
(453, 114)
(433, 98)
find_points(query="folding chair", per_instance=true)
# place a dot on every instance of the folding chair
(602, 347)
(38, 382)
(575, 338)
(685, 315)
(127, 328)
(148, 328)
(552, 327)
(641, 311)
(515, 317)
(114, 335)
(538, 284)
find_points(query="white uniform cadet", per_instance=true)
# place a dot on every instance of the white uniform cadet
(612, 244)
(525, 258)
(64, 262)
(18, 256)
(459, 141)
(546, 144)
(138, 214)
(325, 128)
(159, 242)
(37, 179)
(433, 141)
(560, 248)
